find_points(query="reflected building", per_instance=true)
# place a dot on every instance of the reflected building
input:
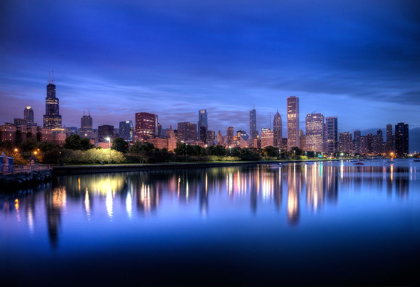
(55, 200)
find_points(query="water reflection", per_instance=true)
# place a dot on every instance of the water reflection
(310, 187)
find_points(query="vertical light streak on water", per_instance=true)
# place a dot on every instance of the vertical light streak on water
(109, 203)
(129, 205)
(87, 203)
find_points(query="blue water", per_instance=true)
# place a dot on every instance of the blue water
(291, 224)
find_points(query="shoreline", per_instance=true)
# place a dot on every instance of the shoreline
(90, 169)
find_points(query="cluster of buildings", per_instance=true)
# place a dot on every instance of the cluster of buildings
(321, 132)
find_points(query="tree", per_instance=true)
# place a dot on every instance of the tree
(85, 144)
(28, 145)
(270, 151)
(119, 144)
(296, 152)
(73, 142)
(47, 146)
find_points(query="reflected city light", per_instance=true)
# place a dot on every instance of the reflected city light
(129, 205)
(109, 204)
(87, 203)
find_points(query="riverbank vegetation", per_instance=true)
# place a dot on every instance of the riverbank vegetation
(77, 150)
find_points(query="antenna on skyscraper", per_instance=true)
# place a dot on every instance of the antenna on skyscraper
(52, 76)
(49, 77)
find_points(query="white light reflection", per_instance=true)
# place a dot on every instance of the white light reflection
(30, 215)
(129, 205)
(87, 203)
(109, 203)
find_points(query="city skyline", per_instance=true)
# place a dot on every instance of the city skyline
(363, 70)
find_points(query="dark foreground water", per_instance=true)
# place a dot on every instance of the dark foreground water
(324, 223)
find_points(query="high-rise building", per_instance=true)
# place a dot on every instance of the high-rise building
(277, 129)
(356, 141)
(203, 134)
(52, 117)
(252, 126)
(378, 143)
(219, 138)
(28, 115)
(302, 139)
(126, 130)
(292, 122)
(314, 132)
(202, 122)
(345, 142)
(86, 127)
(187, 132)
(146, 125)
(401, 139)
(104, 132)
(230, 135)
(331, 139)
(267, 137)
(211, 137)
(20, 122)
(389, 139)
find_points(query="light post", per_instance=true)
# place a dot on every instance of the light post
(186, 152)
(109, 147)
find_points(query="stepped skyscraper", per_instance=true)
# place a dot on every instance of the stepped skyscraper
(52, 117)
(292, 122)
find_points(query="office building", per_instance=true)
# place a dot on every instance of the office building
(389, 139)
(277, 129)
(401, 139)
(52, 117)
(345, 142)
(292, 122)
(28, 115)
(331, 135)
(126, 130)
(187, 132)
(267, 137)
(104, 132)
(146, 126)
(314, 132)
(253, 126)
(230, 135)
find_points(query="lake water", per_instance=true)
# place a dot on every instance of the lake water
(316, 223)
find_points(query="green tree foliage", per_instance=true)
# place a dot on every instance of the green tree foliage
(75, 142)
(296, 152)
(270, 151)
(47, 146)
(120, 144)
(29, 145)
(216, 150)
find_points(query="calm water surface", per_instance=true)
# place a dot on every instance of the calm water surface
(319, 223)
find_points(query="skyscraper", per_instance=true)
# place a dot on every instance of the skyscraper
(230, 135)
(314, 132)
(202, 122)
(146, 125)
(126, 130)
(344, 142)
(267, 137)
(28, 115)
(331, 125)
(187, 132)
(292, 122)
(252, 126)
(104, 132)
(389, 139)
(401, 139)
(277, 129)
(52, 117)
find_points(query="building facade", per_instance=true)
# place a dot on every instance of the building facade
(277, 129)
(126, 130)
(146, 126)
(292, 122)
(401, 139)
(331, 135)
(52, 117)
(252, 126)
(314, 132)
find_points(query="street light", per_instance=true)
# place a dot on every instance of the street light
(109, 147)
(186, 152)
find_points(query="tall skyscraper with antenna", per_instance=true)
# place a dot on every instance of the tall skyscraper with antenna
(292, 122)
(52, 117)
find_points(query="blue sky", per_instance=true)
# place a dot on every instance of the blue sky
(358, 60)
